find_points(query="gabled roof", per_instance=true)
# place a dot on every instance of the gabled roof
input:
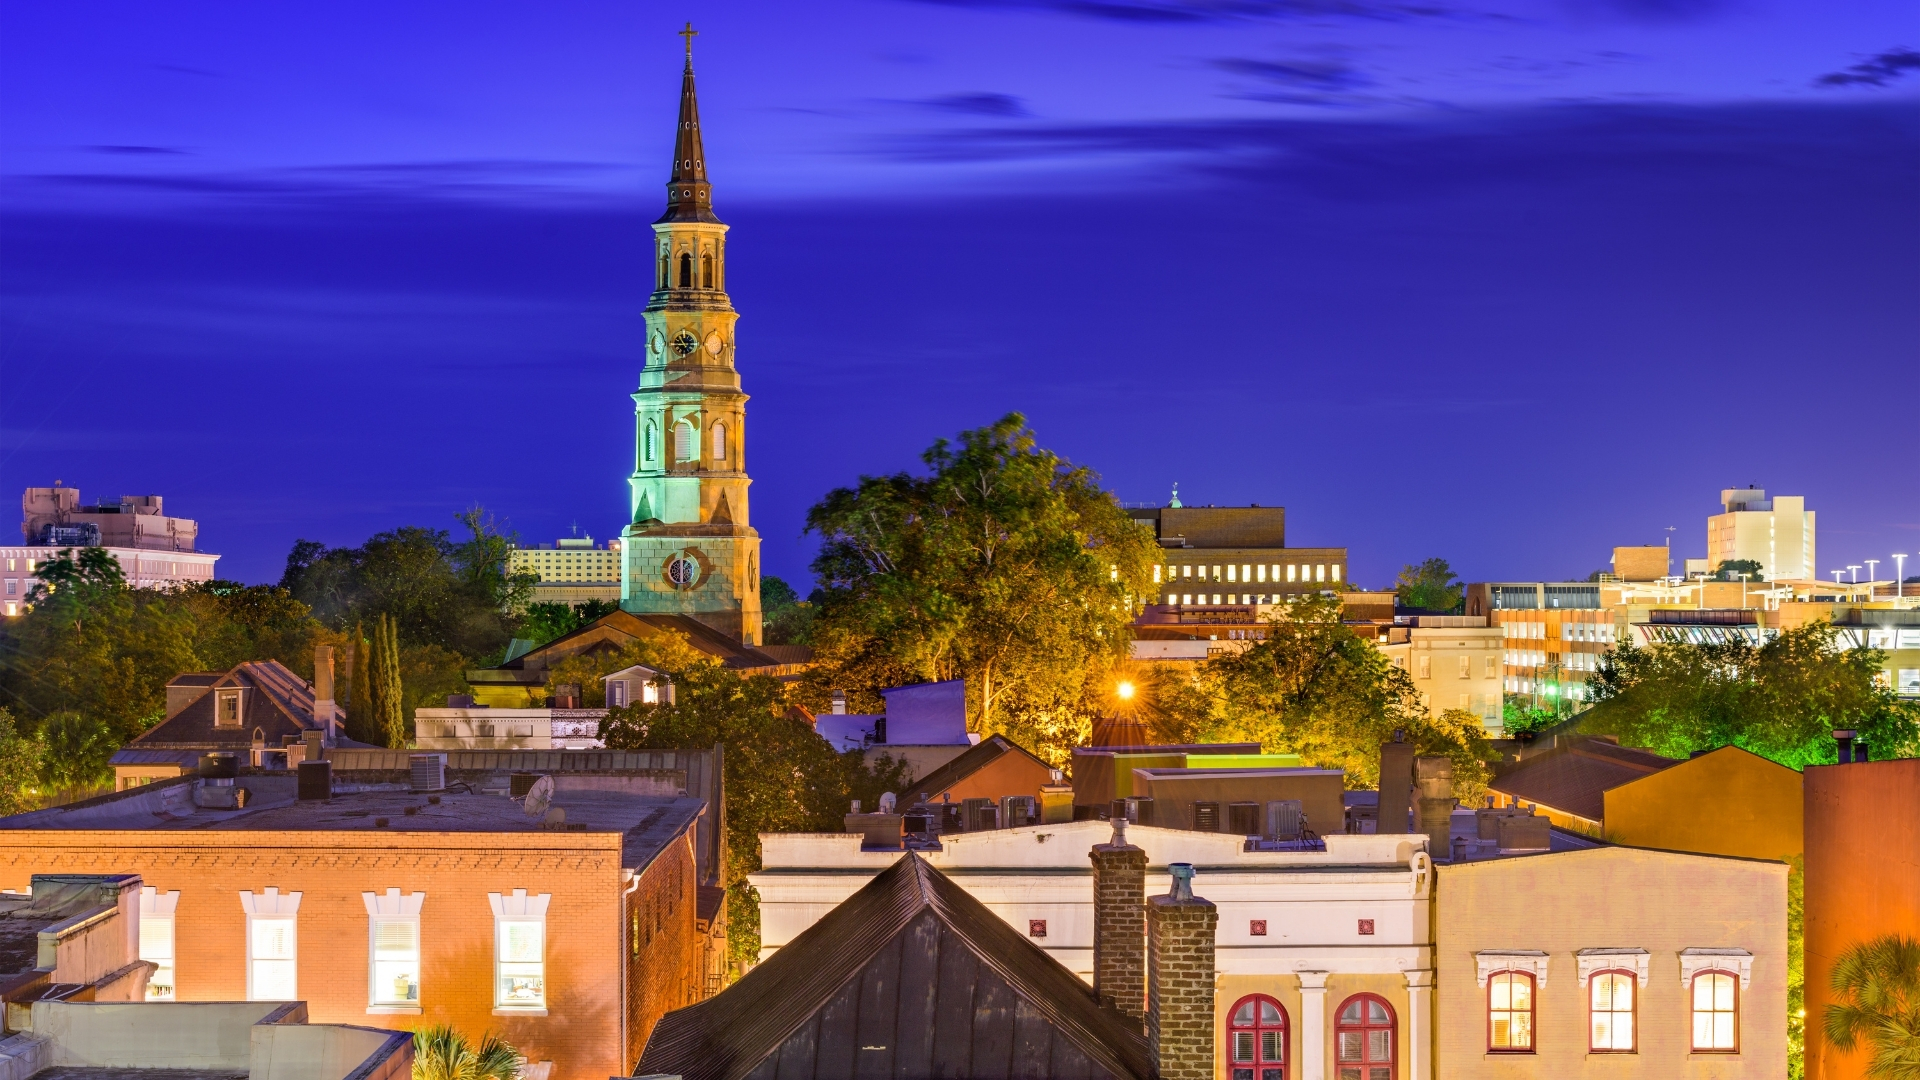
(989, 750)
(910, 977)
(619, 629)
(279, 704)
(1574, 776)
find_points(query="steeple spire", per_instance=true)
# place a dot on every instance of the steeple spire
(689, 196)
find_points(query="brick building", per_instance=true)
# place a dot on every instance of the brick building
(385, 907)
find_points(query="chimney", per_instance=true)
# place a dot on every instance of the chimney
(1180, 972)
(1120, 923)
(839, 703)
(1434, 777)
(324, 709)
(1396, 783)
(1843, 740)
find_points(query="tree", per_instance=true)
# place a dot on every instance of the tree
(1731, 569)
(386, 716)
(1429, 586)
(1004, 565)
(1876, 986)
(785, 618)
(1315, 688)
(547, 621)
(76, 752)
(363, 724)
(19, 768)
(1781, 699)
(441, 1052)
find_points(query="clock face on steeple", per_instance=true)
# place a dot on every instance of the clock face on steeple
(684, 342)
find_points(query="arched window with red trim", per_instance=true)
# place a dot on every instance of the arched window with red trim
(1257, 1039)
(1716, 1013)
(1612, 1008)
(1510, 1012)
(1365, 1046)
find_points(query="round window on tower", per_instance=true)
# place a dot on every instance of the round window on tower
(683, 572)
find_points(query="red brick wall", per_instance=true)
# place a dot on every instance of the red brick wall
(586, 934)
(664, 959)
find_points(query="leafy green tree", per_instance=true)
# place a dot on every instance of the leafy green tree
(1781, 699)
(1003, 565)
(442, 1052)
(785, 618)
(1429, 586)
(1731, 569)
(75, 752)
(19, 768)
(1876, 987)
(547, 621)
(780, 775)
(1315, 688)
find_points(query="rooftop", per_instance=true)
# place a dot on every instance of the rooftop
(1574, 776)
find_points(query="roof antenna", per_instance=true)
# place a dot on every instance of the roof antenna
(1174, 503)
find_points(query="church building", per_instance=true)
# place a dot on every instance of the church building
(689, 549)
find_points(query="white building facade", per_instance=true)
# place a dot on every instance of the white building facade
(1777, 533)
(145, 568)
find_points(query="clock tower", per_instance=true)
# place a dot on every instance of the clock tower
(689, 549)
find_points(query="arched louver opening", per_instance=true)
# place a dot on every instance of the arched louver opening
(684, 445)
(666, 271)
(706, 270)
(720, 441)
(686, 270)
(650, 446)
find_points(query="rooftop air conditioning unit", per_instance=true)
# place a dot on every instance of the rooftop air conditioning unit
(428, 772)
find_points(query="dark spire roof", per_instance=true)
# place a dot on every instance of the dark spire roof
(689, 196)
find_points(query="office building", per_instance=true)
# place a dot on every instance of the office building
(1234, 555)
(571, 570)
(1455, 662)
(153, 550)
(1777, 533)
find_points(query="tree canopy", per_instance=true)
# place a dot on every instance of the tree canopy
(1732, 569)
(1003, 565)
(1429, 586)
(1781, 699)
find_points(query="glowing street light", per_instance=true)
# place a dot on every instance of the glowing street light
(1124, 691)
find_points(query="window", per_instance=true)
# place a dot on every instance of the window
(520, 950)
(686, 270)
(1156, 573)
(666, 263)
(1426, 667)
(1364, 1040)
(616, 695)
(1231, 575)
(1611, 1009)
(1320, 572)
(272, 944)
(393, 944)
(1336, 571)
(683, 442)
(1716, 1012)
(226, 707)
(1261, 570)
(650, 448)
(1037, 928)
(1510, 1012)
(1257, 1039)
(706, 270)
(1493, 667)
(156, 940)
(1186, 571)
(719, 441)
(1290, 570)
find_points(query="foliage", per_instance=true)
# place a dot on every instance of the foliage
(1797, 967)
(385, 717)
(785, 618)
(1429, 586)
(1519, 718)
(429, 674)
(441, 1052)
(1315, 688)
(457, 595)
(1876, 986)
(547, 621)
(361, 725)
(780, 776)
(1731, 569)
(1781, 699)
(19, 767)
(76, 751)
(1004, 565)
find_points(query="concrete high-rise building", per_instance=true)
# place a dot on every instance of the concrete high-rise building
(1777, 533)
(689, 549)
(153, 550)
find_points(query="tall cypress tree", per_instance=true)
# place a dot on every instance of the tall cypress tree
(360, 723)
(388, 719)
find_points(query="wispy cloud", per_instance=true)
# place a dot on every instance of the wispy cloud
(1326, 76)
(1874, 71)
(135, 151)
(1215, 11)
(981, 103)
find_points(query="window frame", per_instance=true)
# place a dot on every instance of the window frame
(1284, 1027)
(1392, 1027)
(1532, 1010)
(1693, 1011)
(393, 906)
(1633, 982)
(519, 908)
(221, 696)
(157, 909)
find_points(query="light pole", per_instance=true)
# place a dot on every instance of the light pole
(1871, 563)
(1900, 575)
(1836, 576)
(1853, 573)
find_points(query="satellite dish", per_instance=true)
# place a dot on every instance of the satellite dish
(539, 798)
(887, 803)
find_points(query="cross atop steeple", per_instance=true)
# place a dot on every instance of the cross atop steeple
(689, 33)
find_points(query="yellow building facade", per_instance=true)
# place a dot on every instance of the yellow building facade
(1611, 962)
(1728, 802)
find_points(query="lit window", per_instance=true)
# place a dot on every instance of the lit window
(1257, 1037)
(1261, 570)
(1510, 1012)
(272, 944)
(1364, 1039)
(226, 708)
(1611, 1012)
(1336, 571)
(393, 932)
(1716, 1012)
(1186, 598)
(1290, 569)
(1156, 573)
(1319, 571)
(1186, 571)
(1276, 571)
(520, 950)
(156, 940)
(1230, 574)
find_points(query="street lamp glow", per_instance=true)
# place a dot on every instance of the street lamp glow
(1124, 691)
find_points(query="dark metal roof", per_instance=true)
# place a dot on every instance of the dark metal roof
(1574, 777)
(910, 977)
(689, 196)
(281, 705)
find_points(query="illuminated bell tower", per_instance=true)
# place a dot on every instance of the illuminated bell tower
(689, 550)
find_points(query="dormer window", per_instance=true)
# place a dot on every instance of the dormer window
(226, 708)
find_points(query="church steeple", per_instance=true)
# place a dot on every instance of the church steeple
(689, 196)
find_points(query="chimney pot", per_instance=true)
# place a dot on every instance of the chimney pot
(1182, 887)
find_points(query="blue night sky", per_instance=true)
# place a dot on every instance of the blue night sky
(1504, 282)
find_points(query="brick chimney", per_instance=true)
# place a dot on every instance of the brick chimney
(1180, 932)
(1396, 783)
(324, 710)
(1433, 780)
(1120, 923)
